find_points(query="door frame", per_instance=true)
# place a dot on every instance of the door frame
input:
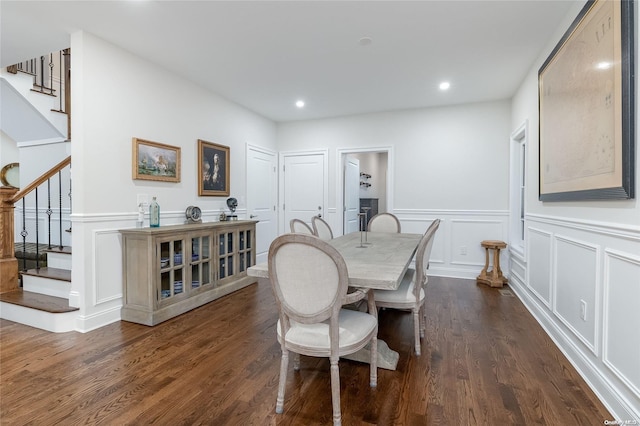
(348, 159)
(341, 154)
(283, 227)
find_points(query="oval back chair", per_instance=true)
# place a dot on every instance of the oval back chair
(309, 281)
(300, 227)
(321, 228)
(411, 293)
(384, 222)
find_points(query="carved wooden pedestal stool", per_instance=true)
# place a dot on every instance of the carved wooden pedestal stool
(493, 278)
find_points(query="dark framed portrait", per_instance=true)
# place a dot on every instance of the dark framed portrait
(213, 169)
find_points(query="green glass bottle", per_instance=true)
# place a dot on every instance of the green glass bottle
(154, 214)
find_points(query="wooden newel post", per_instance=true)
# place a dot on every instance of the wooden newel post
(8, 261)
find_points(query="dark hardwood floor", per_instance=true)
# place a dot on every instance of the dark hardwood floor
(485, 361)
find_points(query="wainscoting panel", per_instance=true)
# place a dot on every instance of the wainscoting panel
(539, 264)
(518, 270)
(576, 288)
(466, 236)
(107, 266)
(456, 249)
(570, 261)
(621, 320)
(420, 225)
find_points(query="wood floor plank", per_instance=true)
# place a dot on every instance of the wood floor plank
(484, 361)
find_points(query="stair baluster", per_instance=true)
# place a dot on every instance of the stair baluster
(60, 205)
(24, 234)
(37, 232)
(60, 79)
(49, 212)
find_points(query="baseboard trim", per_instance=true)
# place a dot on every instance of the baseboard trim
(604, 390)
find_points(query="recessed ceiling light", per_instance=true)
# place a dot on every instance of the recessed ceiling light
(604, 65)
(445, 85)
(300, 104)
(365, 41)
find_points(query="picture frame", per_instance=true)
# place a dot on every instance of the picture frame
(586, 101)
(155, 161)
(213, 169)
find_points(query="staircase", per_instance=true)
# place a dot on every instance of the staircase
(43, 300)
(35, 278)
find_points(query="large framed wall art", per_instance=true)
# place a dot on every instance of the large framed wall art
(586, 105)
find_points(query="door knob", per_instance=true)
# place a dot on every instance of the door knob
(252, 216)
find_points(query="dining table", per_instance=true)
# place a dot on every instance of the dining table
(375, 261)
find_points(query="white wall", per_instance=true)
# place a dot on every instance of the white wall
(8, 150)
(117, 96)
(582, 251)
(450, 163)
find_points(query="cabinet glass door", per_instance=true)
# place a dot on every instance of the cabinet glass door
(226, 247)
(201, 261)
(171, 261)
(244, 250)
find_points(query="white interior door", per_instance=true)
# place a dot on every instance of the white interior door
(262, 197)
(351, 194)
(304, 187)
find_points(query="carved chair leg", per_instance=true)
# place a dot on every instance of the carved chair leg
(424, 317)
(335, 391)
(423, 320)
(296, 361)
(416, 329)
(284, 365)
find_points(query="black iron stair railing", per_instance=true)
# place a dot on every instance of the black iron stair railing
(44, 70)
(29, 197)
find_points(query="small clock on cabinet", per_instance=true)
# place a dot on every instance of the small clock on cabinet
(193, 214)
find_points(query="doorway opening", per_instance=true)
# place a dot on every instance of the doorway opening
(375, 181)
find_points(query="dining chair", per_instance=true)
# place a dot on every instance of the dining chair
(321, 228)
(309, 281)
(411, 293)
(300, 227)
(384, 222)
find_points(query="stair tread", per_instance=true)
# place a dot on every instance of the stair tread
(38, 301)
(29, 250)
(53, 273)
(63, 249)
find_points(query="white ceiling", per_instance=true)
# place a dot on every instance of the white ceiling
(265, 55)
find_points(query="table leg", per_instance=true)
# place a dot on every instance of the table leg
(387, 358)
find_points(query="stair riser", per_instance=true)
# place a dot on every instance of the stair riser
(46, 286)
(56, 323)
(59, 260)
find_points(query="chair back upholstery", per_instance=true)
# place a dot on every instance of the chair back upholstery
(300, 227)
(384, 222)
(321, 229)
(308, 277)
(422, 256)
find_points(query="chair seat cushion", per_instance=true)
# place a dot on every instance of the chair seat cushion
(403, 295)
(354, 327)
